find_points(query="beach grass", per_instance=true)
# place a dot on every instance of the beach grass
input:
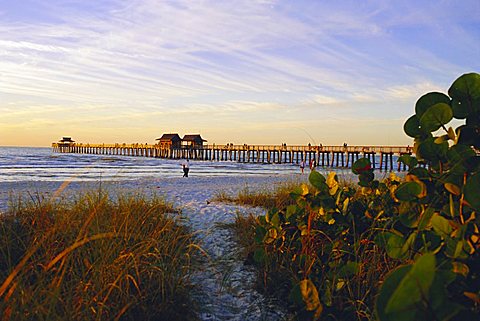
(277, 197)
(95, 256)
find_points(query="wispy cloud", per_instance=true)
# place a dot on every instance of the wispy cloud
(252, 60)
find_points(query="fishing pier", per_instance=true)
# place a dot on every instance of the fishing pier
(381, 157)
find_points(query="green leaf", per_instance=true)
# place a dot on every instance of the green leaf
(275, 220)
(409, 214)
(386, 291)
(420, 172)
(408, 191)
(414, 286)
(361, 165)
(366, 178)
(431, 151)
(408, 160)
(395, 246)
(436, 116)
(412, 127)
(317, 180)
(441, 225)
(472, 191)
(428, 100)
(465, 93)
(291, 210)
(459, 153)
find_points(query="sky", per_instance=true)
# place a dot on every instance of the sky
(255, 72)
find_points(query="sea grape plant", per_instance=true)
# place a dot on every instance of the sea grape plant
(437, 227)
(337, 243)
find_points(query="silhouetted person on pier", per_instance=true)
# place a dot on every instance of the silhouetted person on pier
(186, 168)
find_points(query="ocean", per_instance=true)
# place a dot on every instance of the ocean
(29, 164)
(42, 164)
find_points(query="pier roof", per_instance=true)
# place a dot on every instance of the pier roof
(169, 137)
(193, 137)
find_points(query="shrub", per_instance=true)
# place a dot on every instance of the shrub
(399, 249)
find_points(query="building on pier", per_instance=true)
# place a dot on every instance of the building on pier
(169, 141)
(64, 145)
(66, 140)
(192, 141)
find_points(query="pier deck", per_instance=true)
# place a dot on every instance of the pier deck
(326, 156)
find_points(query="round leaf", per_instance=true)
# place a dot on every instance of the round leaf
(436, 116)
(408, 191)
(365, 178)
(361, 165)
(465, 92)
(388, 288)
(317, 180)
(441, 225)
(411, 289)
(431, 151)
(412, 127)
(428, 100)
(459, 111)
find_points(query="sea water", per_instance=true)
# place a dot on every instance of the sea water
(27, 164)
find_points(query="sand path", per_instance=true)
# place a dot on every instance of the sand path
(226, 282)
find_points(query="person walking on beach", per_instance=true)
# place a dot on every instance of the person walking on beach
(186, 168)
(302, 165)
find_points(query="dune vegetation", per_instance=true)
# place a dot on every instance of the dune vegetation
(95, 257)
(396, 249)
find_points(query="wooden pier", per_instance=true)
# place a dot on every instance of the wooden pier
(325, 156)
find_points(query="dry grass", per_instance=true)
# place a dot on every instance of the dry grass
(267, 198)
(95, 257)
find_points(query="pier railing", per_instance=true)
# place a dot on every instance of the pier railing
(327, 156)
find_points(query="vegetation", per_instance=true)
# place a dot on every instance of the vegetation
(95, 257)
(399, 249)
(279, 197)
